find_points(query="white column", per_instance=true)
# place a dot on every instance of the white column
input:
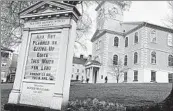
(15, 92)
(57, 98)
(91, 75)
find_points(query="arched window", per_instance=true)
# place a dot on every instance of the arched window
(125, 60)
(136, 37)
(116, 41)
(115, 60)
(126, 41)
(153, 36)
(135, 57)
(153, 57)
(170, 60)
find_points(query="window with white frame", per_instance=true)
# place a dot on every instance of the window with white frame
(153, 36)
(115, 60)
(153, 76)
(135, 75)
(170, 77)
(135, 58)
(170, 39)
(126, 42)
(125, 76)
(153, 57)
(125, 60)
(116, 41)
(170, 60)
(136, 37)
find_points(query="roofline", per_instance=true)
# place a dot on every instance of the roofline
(136, 23)
(106, 31)
(134, 29)
(79, 14)
(159, 27)
(149, 25)
(7, 49)
(102, 33)
(141, 24)
(75, 9)
(30, 7)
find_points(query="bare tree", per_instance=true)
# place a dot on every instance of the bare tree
(118, 70)
(169, 19)
(11, 25)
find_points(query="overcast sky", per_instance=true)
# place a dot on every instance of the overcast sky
(150, 11)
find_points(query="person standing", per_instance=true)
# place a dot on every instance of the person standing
(87, 80)
(106, 79)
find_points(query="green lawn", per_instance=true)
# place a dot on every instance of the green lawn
(127, 94)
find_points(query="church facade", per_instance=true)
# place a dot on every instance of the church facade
(143, 51)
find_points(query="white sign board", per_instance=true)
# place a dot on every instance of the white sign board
(41, 67)
(43, 56)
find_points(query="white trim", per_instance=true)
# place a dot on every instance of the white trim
(92, 66)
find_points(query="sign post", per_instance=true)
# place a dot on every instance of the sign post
(45, 61)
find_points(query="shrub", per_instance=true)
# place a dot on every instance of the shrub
(94, 105)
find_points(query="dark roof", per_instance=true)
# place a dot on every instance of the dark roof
(77, 60)
(139, 25)
(6, 49)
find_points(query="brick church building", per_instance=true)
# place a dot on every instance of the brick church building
(145, 49)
